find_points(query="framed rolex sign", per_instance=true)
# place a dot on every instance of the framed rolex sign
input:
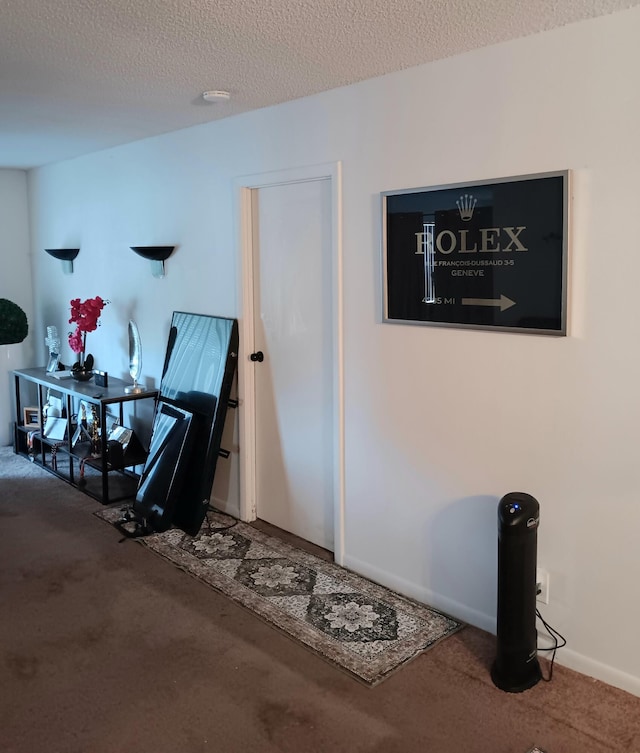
(490, 255)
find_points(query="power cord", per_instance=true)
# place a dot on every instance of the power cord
(211, 527)
(134, 526)
(559, 641)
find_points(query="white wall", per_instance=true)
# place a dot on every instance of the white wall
(440, 423)
(15, 283)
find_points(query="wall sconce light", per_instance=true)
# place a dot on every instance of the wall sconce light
(66, 256)
(156, 255)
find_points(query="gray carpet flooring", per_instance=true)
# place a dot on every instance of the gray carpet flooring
(105, 647)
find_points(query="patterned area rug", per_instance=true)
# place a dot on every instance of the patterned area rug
(360, 626)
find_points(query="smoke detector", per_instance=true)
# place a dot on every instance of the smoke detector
(216, 96)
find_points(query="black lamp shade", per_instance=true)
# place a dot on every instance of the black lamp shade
(64, 254)
(154, 253)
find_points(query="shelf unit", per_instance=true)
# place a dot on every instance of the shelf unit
(97, 471)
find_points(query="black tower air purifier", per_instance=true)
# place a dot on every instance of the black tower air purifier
(516, 667)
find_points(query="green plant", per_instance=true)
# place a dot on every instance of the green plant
(13, 323)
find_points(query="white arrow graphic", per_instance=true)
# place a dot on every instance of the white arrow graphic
(503, 302)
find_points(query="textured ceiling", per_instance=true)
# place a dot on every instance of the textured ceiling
(77, 76)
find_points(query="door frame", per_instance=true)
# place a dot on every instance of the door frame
(245, 188)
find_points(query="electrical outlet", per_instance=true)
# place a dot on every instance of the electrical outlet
(542, 586)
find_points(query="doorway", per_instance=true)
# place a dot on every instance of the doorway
(291, 417)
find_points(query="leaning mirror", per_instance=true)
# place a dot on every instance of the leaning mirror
(200, 363)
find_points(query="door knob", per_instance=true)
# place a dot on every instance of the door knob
(259, 356)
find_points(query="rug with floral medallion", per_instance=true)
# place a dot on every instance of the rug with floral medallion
(360, 626)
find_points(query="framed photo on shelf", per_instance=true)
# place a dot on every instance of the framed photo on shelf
(120, 434)
(55, 428)
(31, 417)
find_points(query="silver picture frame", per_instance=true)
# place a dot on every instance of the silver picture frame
(488, 255)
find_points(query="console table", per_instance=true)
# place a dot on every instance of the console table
(76, 459)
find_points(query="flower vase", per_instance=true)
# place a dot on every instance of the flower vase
(82, 370)
(81, 374)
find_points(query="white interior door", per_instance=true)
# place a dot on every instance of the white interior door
(294, 401)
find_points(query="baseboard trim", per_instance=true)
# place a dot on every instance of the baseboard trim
(426, 596)
(565, 657)
(599, 671)
(225, 507)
